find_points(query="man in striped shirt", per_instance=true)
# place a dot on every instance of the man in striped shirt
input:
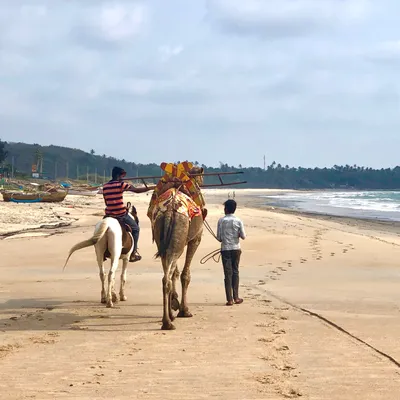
(115, 207)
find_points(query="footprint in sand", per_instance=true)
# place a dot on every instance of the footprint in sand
(332, 254)
(287, 367)
(262, 325)
(42, 340)
(79, 328)
(291, 393)
(266, 340)
(281, 308)
(270, 313)
(283, 349)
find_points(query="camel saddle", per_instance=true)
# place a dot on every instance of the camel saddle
(127, 239)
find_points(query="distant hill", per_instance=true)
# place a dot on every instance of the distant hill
(62, 162)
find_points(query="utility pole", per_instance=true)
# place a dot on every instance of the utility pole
(264, 162)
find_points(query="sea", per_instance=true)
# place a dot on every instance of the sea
(378, 205)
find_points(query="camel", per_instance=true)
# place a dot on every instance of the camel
(110, 240)
(172, 232)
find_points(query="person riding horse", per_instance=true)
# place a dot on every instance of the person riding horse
(115, 207)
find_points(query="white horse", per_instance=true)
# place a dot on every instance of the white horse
(109, 240)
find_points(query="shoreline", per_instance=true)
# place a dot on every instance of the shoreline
(214, 197)
(246, 201)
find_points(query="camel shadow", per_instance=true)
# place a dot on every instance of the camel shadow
(52, 315)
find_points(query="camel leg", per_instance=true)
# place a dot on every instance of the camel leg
(175, 297)
(122, 296)
(185, 276)
(167, 290)
(100, 263)
(111, 295)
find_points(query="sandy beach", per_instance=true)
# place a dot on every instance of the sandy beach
(320, 318)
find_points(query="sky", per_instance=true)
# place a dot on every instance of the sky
(303, 82)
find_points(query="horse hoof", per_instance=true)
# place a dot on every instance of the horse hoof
(185, 314)
(110, 305)
(168, 327)
(175, 304)
(123, 298)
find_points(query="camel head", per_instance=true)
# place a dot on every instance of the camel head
(197, 170)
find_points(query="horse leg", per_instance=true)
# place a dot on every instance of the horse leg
(100, 262)
(167, 291)
(185, 276)
(174, 297)
(125, 263)
(111, 295)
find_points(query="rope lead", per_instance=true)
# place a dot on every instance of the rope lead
(211, 255)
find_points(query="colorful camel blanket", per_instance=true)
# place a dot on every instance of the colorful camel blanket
(181, 171)
(183, 204)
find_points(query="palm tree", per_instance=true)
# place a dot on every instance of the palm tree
(3, 151)
(39, 160)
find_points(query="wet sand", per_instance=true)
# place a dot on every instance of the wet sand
(319, 321)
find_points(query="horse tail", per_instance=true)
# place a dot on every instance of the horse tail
(98, 234)
(167, 225)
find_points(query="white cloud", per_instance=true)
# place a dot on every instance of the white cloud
(283, 18)
(85, 68)
(118, 22)
(387, 52)
(168, 52)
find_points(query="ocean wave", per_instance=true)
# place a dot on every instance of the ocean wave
(374, 202)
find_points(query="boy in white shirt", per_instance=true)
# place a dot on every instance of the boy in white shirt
(230, 230)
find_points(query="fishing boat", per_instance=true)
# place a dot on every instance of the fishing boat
(34, 197)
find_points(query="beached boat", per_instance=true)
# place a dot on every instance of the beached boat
(34, 197)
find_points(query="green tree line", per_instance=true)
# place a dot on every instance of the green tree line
(56, 162)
